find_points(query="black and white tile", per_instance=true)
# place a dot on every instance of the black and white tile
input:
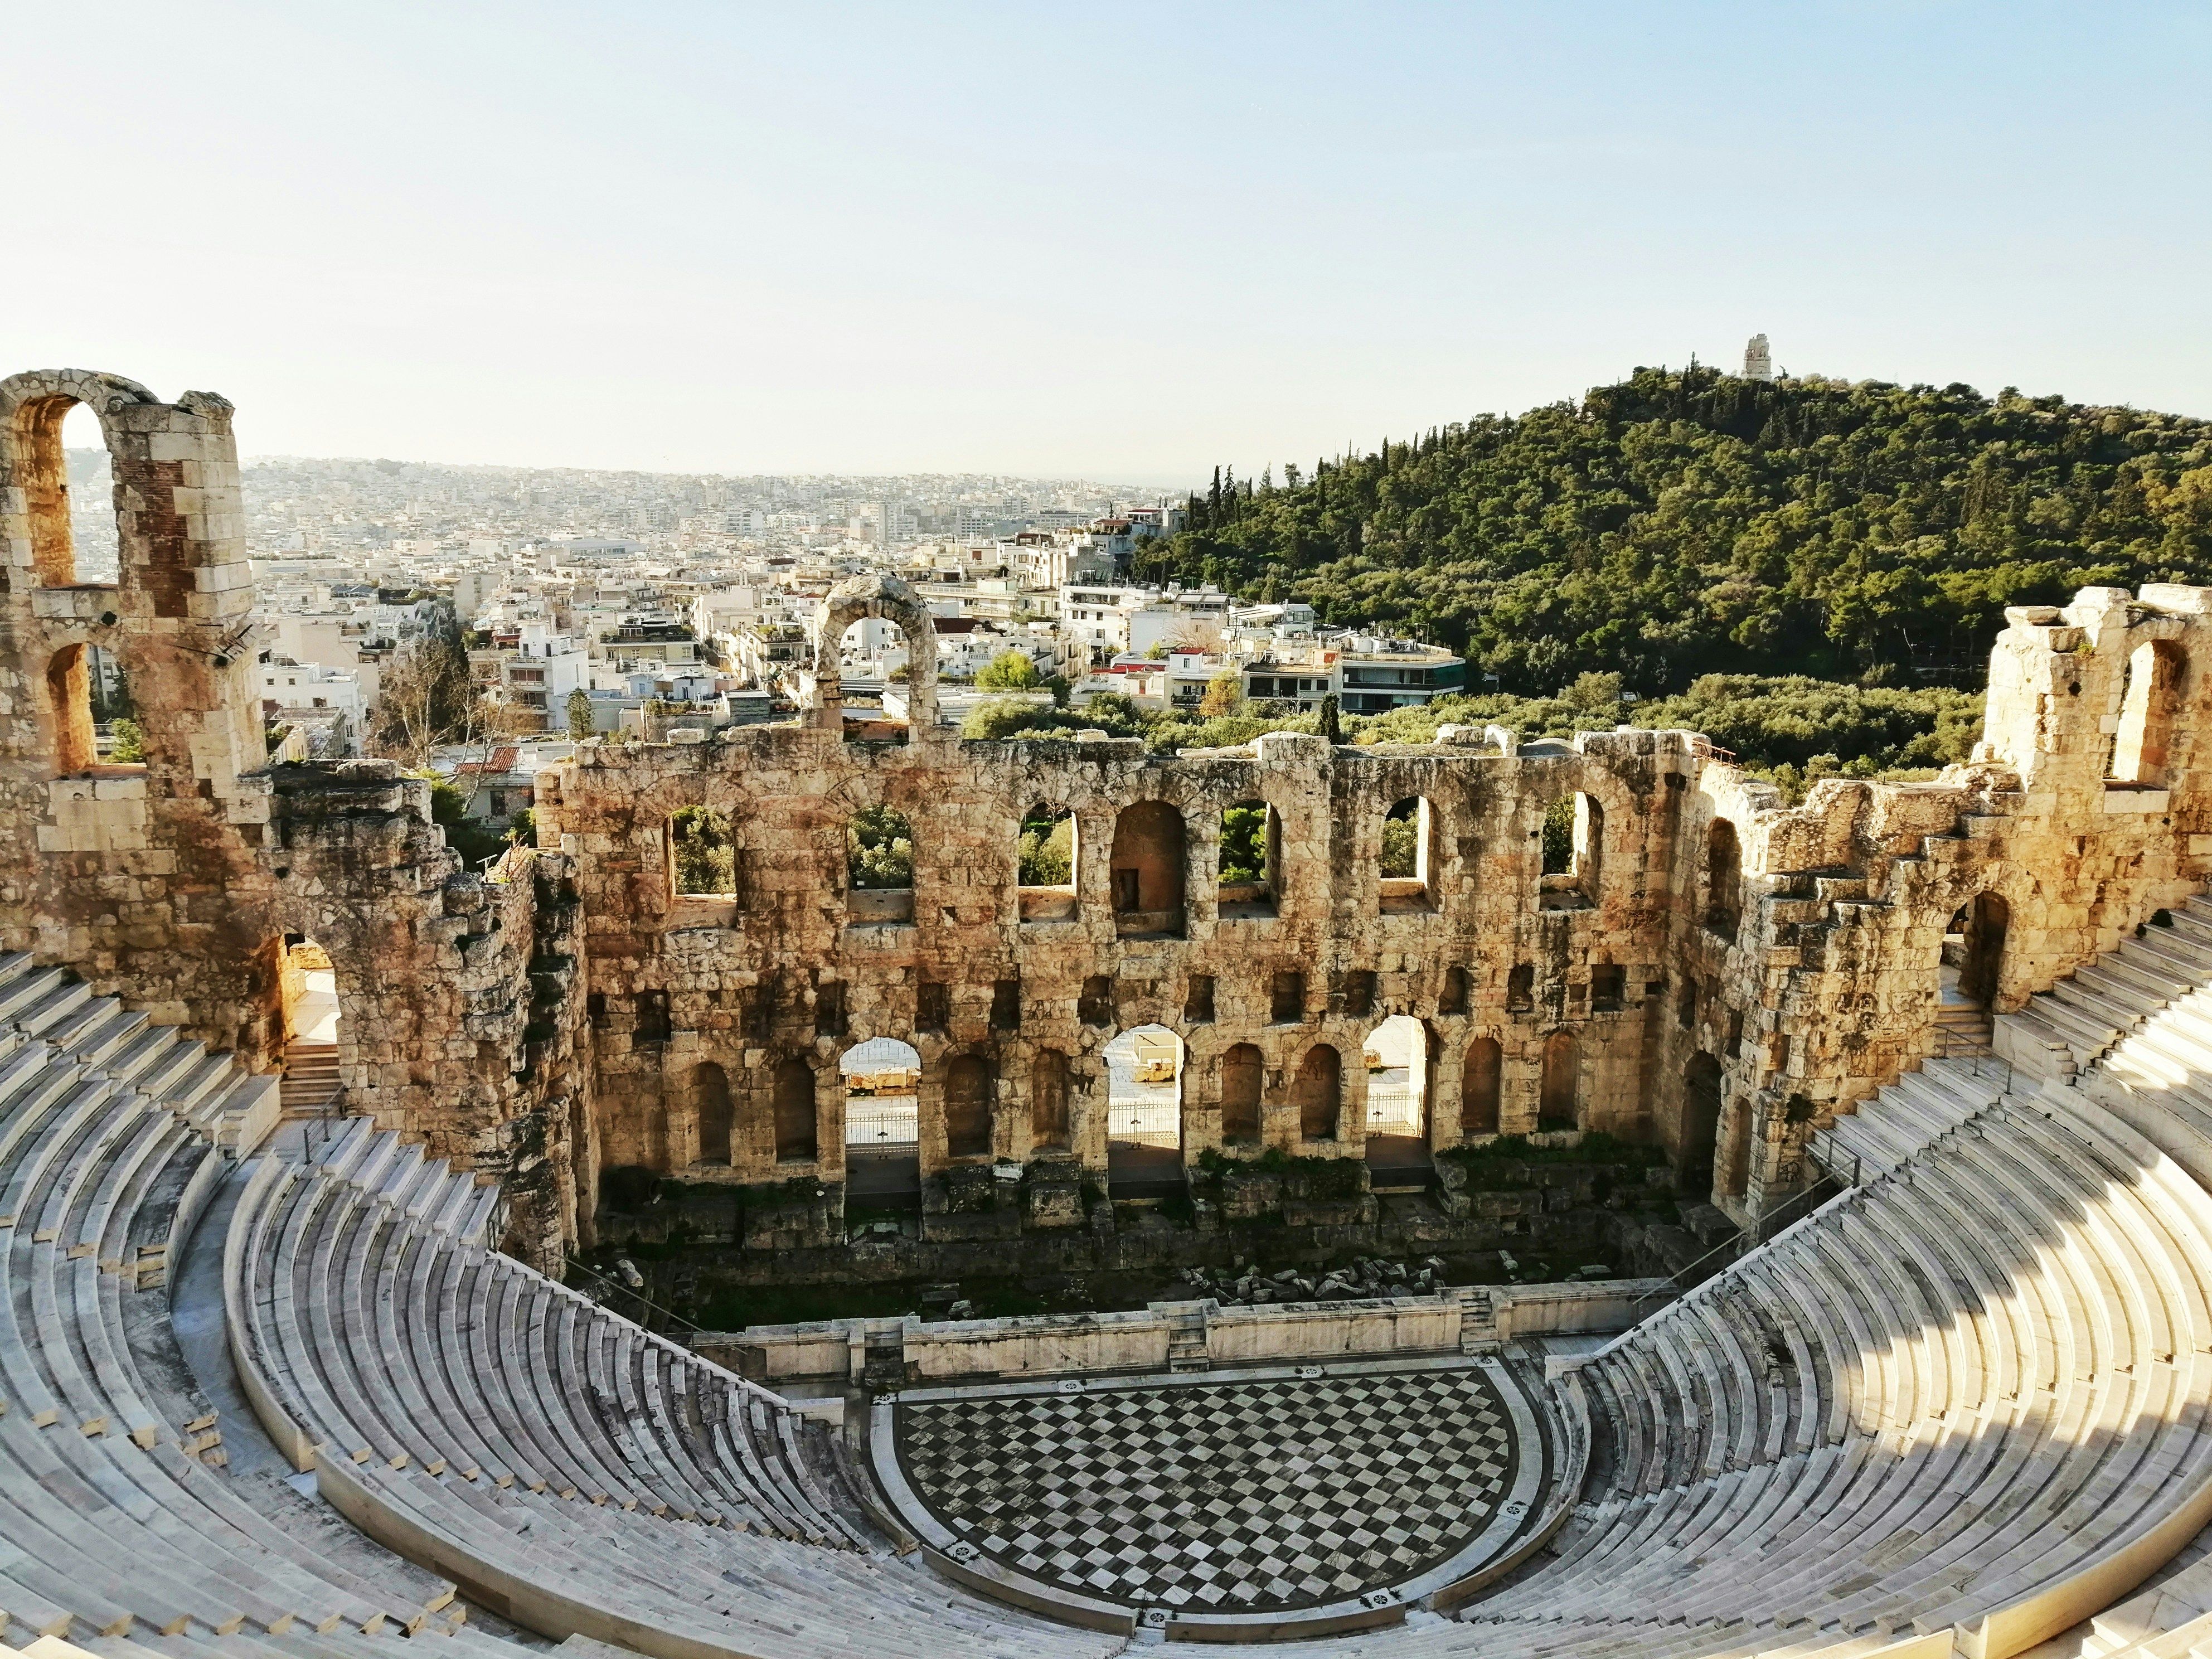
(1226, 1496)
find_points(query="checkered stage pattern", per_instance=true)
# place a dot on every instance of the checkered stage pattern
(1222, 1497)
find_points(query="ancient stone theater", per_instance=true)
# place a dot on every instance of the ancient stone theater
(331, 1380)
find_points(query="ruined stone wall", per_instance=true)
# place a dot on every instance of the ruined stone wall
(126, 871)
(799, 966)
(172, 883)
(1811, 986)
(550, 1018)
(1836, 967)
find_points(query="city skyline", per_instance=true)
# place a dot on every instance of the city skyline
(1053, 243)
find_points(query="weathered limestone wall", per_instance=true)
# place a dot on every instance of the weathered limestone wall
(1746, 997)
(798, 967)
(172, 883)
(126, 871)
(1836, 965)
(1717, 972)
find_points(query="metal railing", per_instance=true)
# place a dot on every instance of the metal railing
(646, 1305)
(1765, 1226)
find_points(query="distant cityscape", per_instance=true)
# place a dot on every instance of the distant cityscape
(679, 605)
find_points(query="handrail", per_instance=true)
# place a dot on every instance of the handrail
(1765, 1228)
(639, 1296)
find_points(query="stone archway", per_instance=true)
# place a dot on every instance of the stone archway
(878, 593)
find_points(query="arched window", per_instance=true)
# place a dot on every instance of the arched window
(1320, 1092)
(1556, 1100)
(2148, 707)
(793, 1104)
(68, 703)
(1251, 840)
(1452, 998)
(1044, 857)
(66, 477)
(710, 1105)
(1241, 1070)
(1408, 857)
(703, 854)
(885, 596)
(1147, 869)
(1574, 846)
(968, 1106)
(1049, 1129)
(1723, 880)
(879, 866)
(1480, 1087)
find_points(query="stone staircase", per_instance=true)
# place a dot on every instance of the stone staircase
(311, 1082)
(1963, 1029)
(212, 1092)
(1478, 1321)
(1187, 1350)
(1881, 1135)
(2068, 1029)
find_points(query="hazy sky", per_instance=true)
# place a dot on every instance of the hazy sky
(1125, 241)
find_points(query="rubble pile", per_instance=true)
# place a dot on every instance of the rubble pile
(1367, 1277)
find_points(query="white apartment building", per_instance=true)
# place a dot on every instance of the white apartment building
(540, 672)
(1096, 618)
(310, 695)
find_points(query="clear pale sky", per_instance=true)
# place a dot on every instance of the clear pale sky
(1117, 240)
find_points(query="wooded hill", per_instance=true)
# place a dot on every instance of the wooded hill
(1687, 522)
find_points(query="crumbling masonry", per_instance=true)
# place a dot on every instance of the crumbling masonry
(1713, 972)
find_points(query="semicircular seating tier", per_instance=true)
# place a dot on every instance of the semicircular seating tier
(1965, 1400)
(568, 1468)
(117, 1518)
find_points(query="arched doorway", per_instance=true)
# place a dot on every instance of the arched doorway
(1701, 1126)
(1557, 1096)
(968, 1100)
(710, 1107)
(1480, 1088)
(1723, 880)
(1982, 960)
(1242, 1072)
(1396, 1142)
(307, 989)
(791, 1105)
(1736, 1166)
(1971, 968)
(883, 1152)
(1051, 1122)
(1144, 1113)
(1320, 1093)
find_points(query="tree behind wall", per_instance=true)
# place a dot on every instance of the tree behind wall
(879, 849)
(1010, 671)
(1225, 695)
(425, 699)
